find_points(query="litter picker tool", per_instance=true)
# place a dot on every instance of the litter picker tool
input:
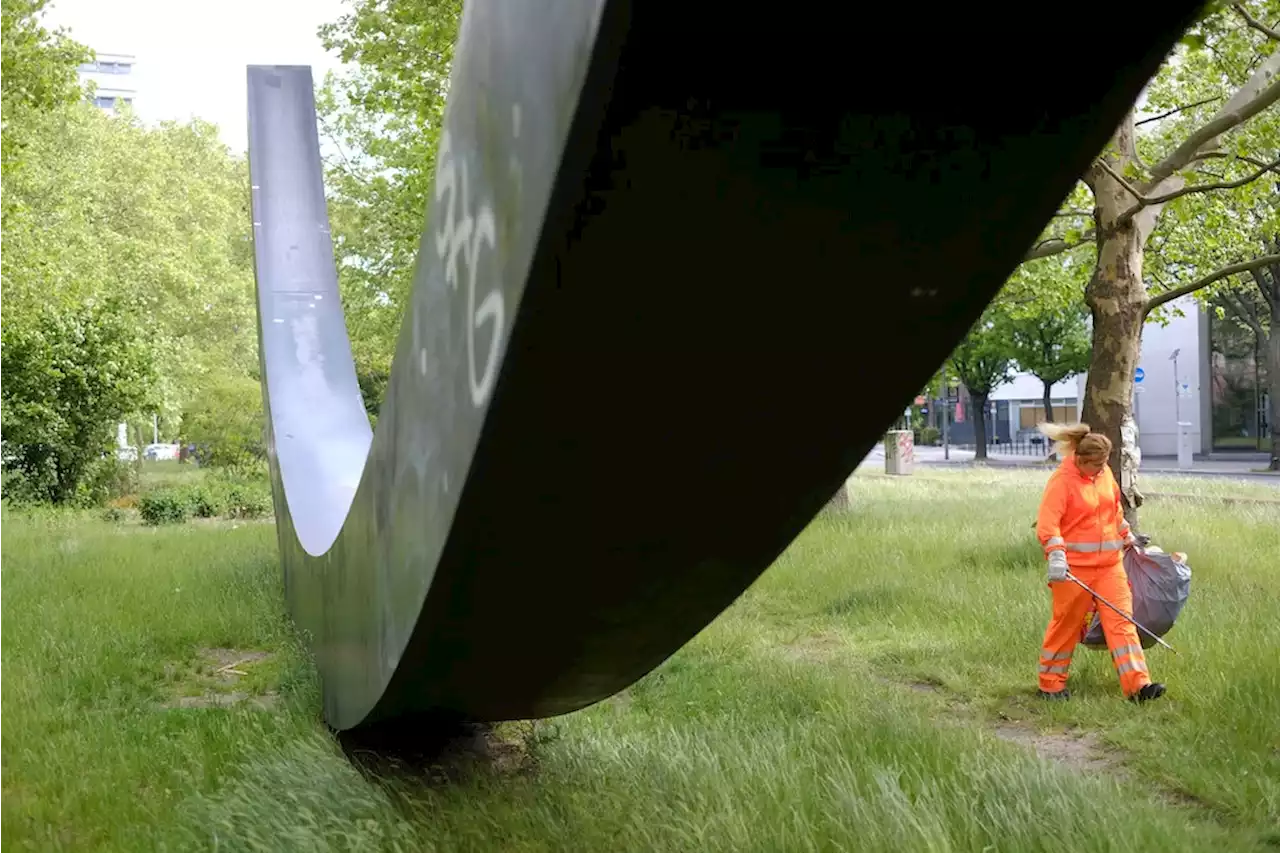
(1126, 616)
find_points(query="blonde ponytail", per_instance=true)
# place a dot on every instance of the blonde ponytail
(1078, 440)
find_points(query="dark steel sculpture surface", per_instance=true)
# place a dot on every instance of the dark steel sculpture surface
(683, 263)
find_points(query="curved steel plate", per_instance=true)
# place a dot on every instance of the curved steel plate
(682, 267)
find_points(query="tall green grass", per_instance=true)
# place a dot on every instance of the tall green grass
(849, 701)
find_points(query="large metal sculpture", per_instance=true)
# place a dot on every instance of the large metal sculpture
(683, 263)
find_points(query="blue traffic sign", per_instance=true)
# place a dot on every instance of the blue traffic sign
(1138, 374)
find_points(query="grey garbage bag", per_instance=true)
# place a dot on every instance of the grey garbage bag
(1161, 584)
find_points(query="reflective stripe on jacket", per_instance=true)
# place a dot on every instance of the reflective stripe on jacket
(1082, 516)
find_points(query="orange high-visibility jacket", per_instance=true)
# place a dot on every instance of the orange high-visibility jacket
(1082, 516)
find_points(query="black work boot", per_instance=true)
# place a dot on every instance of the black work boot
(1059, 695)
(1152, 691)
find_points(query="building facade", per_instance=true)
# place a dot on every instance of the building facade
(112, 76)
(1204, 371)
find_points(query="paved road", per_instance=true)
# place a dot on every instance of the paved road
(1244, 469)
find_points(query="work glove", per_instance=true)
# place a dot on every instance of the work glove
(1057, 566)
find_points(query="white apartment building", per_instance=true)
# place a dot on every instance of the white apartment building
(1188, 371)
(112, 75)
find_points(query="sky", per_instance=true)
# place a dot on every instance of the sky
(191, 54)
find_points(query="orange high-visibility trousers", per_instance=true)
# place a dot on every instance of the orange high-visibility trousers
(1071, 605)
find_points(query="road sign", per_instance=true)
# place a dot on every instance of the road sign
(1138, 374)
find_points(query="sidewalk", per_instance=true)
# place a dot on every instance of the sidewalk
(1246, 468)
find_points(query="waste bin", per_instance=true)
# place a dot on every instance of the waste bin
(1184, 444)
(899, 452)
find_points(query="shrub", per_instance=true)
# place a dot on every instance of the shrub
(165, 506)
(248, 501)
(225, 421)
(928, 436)
(70, 374)
(106, 480)
(207, 501)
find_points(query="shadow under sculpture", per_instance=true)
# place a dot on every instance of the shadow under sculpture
(681, 268)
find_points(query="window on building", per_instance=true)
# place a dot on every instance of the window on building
(105, 103)
(1238, 373)
(107, 67)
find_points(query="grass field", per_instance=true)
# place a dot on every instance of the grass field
(872, 692)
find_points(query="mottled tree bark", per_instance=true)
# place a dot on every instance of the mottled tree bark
(1116, 294)
(1125, 214)
(979, 414)
(1273, 382)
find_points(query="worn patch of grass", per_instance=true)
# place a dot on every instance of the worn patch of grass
(872, 692)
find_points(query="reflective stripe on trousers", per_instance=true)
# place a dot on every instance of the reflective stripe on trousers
(1070, 606)
(1137, 660)
(1058, 663)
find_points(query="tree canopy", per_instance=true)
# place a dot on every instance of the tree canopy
(127, 265)
(381, 121)
(156, 219)
(38, 68)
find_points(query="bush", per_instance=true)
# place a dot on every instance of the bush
(928, 436)
(225, 421)
(245, 488)
(166, 506)
(114, 514)
(70, 374)
(248, 501)
(207, 501)
(106, 480)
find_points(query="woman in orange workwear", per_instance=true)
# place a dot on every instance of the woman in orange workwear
(1082, 528)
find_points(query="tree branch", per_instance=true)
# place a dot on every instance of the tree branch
(1230, 270)
(1273, 166)
(1270, 290)
(1260, 92)
(1237, 308)
(1057, 245)
(1142, 201)
(1254, 23)
(1176, 110)
(1224, 155)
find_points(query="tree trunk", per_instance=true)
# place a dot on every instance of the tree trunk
(978, 412)
(1273, 384)
(1048, 415)
(1117, 296)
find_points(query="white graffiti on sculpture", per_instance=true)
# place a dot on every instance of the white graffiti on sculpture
(464, 236)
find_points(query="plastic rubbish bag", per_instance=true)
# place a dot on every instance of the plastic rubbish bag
(1161, 584)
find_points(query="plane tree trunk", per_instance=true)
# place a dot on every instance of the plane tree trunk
(1116, 296)
(1273, 382)
(978, 400)
(1124, 215)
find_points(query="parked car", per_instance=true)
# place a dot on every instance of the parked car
(156, 452)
